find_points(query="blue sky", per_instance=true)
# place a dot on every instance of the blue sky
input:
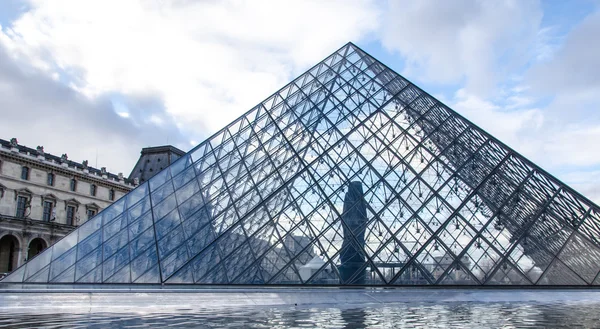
(110, 77)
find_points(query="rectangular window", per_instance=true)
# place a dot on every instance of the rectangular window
(91, 213)
(111, 195)
(71, 215)
(21, 206)
(25, 173)
(93, 190)
(73, 185)
(47, 215)
(50, 180)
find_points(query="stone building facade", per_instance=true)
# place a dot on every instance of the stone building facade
(43, 197)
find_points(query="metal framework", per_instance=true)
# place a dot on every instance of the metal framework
(348, 175)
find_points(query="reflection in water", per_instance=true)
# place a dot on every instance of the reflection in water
(431, 315)
(354, 318)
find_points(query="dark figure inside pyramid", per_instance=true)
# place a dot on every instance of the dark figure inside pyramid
(354, 220)
(348, 175)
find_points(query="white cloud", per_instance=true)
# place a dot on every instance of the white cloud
(570, 77)
(508, 126)
(585, 182)
(38, 110)
(209, 61)
(574, 66)
(467, 40)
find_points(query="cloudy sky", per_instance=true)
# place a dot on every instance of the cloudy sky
(106, 78)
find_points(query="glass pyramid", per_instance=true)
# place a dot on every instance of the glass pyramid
(348, 175)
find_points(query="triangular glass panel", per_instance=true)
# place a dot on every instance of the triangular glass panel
(458, 275)
(559, 274)
(587, 264)
(507, 274)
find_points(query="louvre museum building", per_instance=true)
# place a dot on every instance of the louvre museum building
(348, 175)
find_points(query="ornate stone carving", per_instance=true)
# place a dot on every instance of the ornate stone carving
(64, 157)
(14, 142)
(40, 149)
(85, 164)
(103, 171)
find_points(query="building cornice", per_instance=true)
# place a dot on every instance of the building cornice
(30, 221)
(66, 171)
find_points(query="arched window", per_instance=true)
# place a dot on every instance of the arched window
(25, 173)
(9, 246)
(111, 195)
(93, 190)
(73, 185)
(36, 246)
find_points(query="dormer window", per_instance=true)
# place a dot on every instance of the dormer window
(25, 173)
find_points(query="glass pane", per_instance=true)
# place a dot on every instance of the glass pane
(39, 262)
(143, 263)
(137, 194)
(115, 263)
(89, 227)
(142, 242)
(91, 243)
(64, 244)
(61, 264)
(89, 264)
(140, 225)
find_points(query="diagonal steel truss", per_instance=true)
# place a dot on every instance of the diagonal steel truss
(348, 175)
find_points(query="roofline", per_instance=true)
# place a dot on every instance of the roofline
(162, 149)
(24, 150)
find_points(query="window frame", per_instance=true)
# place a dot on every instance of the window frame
(71, 220)
(111, 194)
(21, 207)
(73, 185)
(50, 179)
(25, 171)
(47, 214)
(93, 189)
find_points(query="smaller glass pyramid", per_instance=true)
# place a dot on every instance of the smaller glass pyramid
(348, 175)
